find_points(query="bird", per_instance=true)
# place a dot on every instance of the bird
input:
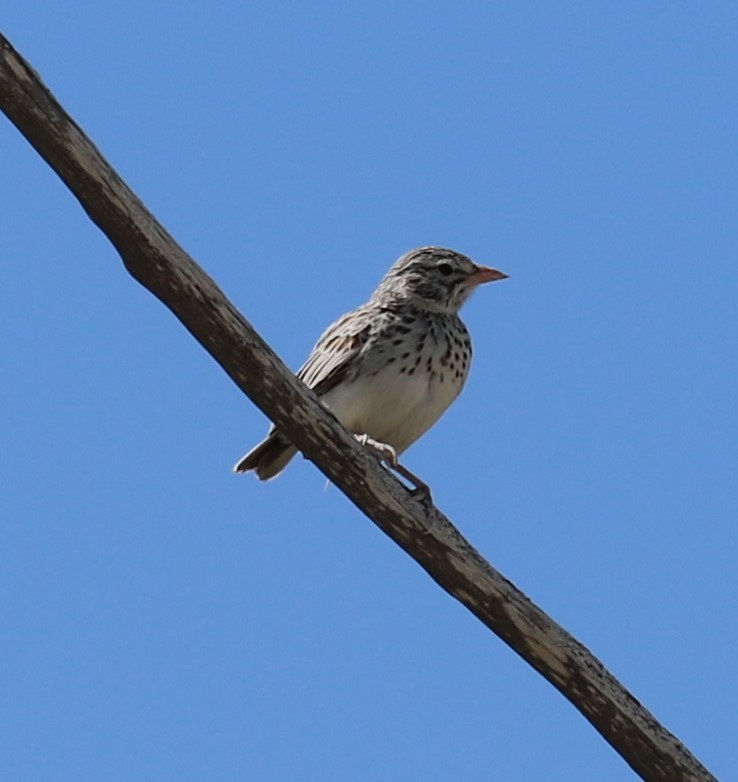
(390, 368)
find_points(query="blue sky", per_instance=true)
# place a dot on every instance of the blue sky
(164, 619)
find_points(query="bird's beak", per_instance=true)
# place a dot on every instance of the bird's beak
(485, 274)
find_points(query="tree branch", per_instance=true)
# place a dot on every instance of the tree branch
(155, 260)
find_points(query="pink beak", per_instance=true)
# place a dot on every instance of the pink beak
(485, 274)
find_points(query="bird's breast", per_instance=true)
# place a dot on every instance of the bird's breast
(399, 392)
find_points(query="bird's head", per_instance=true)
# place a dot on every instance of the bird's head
(434, 278)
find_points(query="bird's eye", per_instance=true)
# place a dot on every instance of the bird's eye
(445, 269)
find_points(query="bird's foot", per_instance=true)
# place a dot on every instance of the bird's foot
(383, 451)
(386, 453)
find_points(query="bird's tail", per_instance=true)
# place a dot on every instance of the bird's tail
(268, 458)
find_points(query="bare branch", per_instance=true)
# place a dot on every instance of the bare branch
(154, 259)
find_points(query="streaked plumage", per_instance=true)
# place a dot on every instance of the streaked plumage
(391, 367)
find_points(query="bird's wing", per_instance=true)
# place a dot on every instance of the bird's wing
(337, 352)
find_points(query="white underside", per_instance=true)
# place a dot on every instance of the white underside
(390, 407)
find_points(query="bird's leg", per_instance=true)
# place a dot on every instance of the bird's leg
(383, 451)
(421, 491)
(386, 453)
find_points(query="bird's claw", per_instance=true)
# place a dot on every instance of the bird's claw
(386, 453)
